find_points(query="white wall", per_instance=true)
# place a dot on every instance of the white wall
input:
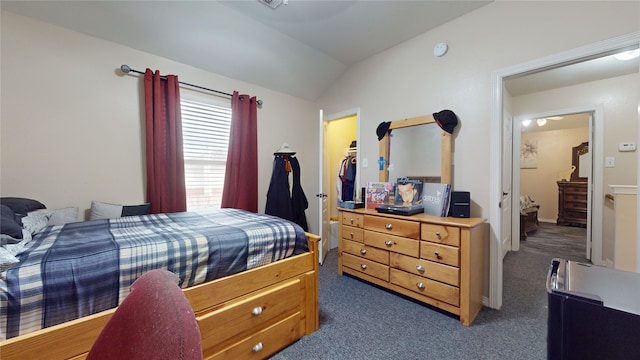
(407, 80)
(66, 142)
(72, 126)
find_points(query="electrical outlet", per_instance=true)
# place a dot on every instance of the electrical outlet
(610, 162)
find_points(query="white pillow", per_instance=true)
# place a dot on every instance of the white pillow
(6, 259)
(101, 210)
(63, 216)
(36, 220)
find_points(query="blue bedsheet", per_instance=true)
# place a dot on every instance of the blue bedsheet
(70, 271)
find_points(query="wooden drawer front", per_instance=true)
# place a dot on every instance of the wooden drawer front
(392, 243)
(433, 289)
(577, 190)
(448, 235)
(441, 253)
(432, 270)
(352, 233)
(249, 313)
(365, 266)
(264, 343)
(366, 252)
(575, 214)
(352, 219)
(578, 205)
(405, 228)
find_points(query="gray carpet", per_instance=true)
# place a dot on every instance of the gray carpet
(361, 321)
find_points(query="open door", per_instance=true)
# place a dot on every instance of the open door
(325, 229)
(505, 203)
(337, 132)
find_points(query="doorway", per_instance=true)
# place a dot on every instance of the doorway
(546, 142)
(340, 135)
(500, 105)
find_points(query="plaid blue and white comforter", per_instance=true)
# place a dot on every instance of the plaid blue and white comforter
(67, 272)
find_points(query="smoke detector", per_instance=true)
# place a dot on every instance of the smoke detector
(273, 3)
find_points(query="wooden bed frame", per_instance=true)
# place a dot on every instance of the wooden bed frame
(250, 315)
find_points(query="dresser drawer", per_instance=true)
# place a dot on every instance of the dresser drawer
(352, 219)
(393, 243)
(576, 190)
(366, 252)
(352, 233)
(263, 343)
(575, 214)
(578, 205)
(365, 266)
(251, 312)
(440, 253)
(433, 289)
(432, 270)
(448, 235)
(398, 227)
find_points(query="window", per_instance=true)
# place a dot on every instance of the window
(205, 133)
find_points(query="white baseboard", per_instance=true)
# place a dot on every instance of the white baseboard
(608, 263)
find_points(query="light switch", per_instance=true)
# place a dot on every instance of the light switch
(610, 162)
(365, 162)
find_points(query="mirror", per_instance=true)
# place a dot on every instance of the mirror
(416, 147)
(582, 161)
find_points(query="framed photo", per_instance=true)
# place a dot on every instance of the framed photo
(529, 154)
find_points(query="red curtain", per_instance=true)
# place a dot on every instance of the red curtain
(241, 175)
(165, 161)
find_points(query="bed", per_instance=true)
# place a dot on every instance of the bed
(250, 278)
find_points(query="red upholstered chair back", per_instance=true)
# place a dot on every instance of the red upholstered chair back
(155, 321)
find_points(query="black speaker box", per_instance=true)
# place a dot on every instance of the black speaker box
(460, 204)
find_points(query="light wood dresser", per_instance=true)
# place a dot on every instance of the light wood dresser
(436, 260)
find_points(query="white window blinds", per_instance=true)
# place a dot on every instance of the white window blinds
(205, 132)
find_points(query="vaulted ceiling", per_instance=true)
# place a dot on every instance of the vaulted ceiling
(299, 49)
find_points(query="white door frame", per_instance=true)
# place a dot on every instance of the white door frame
(495, 192)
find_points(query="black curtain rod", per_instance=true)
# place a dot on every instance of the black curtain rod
(126, 69)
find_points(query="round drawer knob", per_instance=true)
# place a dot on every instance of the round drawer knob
(438, 235)
(420, 286)
(363, 266)
(388, 226)
(256, 311)
(420, 268)
(363, 251)
(351, 234)
(437, 254)
(351, 221)
(257, 347)
(388, 242)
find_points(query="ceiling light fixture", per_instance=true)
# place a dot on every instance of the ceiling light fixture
(526, 123)
(273, 3)
(627, 55)
(541, 122)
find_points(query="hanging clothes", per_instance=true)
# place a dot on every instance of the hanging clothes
(283, 201)
(299, 201)
(347, 176)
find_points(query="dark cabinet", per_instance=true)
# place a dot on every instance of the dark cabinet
(572, 203)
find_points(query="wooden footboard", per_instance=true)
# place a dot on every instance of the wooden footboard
(252, 314)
